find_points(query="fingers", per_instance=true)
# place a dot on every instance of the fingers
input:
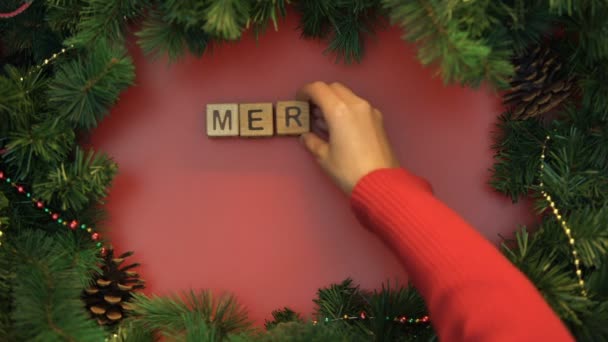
(320, 94)
(316, 146)
(344, 92)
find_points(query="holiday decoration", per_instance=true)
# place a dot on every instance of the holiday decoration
(112, 288)
(257, 119)
(539, 85)
(17, 11)
(65, 65)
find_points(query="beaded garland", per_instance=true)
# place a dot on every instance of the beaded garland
(18, 11)
(47, 61)
(558, 216)
(363, 316)
(72, 224)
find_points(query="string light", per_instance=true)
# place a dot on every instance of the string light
(558, 216)
(71, 224)
(363, 316)
(47, 61)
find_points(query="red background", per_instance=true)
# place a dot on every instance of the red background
(257, 217)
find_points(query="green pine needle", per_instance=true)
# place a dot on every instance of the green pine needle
(180, 314)
(84, 90)
(47, 285)
(226, 19)
(159, 37)
(78, 184)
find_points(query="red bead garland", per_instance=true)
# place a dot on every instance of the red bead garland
(55, 216)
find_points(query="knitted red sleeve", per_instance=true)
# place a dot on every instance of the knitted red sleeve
(473, 293)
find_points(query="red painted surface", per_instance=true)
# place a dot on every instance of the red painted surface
(257, 217)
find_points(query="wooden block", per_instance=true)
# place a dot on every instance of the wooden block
(256, 119)
(293, 117)
(223, 120)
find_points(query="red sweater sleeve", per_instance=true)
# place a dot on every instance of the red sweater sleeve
(473, 293)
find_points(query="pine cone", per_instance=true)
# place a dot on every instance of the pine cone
(108, 296)
(537, 86)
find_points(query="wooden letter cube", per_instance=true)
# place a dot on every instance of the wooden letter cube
(256, 119)
(223, 120)
(293, 117)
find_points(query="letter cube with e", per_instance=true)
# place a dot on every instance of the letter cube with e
(256, 119)
(223, 120)
(293, 117)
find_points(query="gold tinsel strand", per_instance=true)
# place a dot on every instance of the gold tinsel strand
(558, 216)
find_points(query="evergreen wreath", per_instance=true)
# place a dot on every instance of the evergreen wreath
(65, 65)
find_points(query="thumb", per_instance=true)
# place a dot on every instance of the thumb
(315, 145)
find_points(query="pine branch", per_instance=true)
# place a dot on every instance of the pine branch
(265, 11)
(571, 175)
(187, 13)
(47, 285)
(316, 17)
(85, 89)
(226, 19)
(462, 57)
(517, 147)
(552, 276)
(7, 273)
(106, 19)
(42, 145)
(338, 300)
(64, 15)
(284, 315)
(158, 37)
(305, 332)
(171, 313)
(395, 302)
(80, 183)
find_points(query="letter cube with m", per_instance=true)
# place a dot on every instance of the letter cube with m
(223, 120)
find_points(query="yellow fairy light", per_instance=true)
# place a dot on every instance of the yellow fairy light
(47, 61)
(558, 216)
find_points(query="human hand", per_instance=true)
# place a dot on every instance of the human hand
(357, 142)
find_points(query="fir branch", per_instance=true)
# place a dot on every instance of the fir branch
(347, 41)
(85, 89)
(394, 302)
(106, 19)
(597, 282)
(226, 19)
(265, 11)
(7, 274)
(158, 37)
(593, 326)
(551, 275)
(47, 287)
(64, 15)
(172, 313)
(76, 185)
(284, 315)
(305, 332)
(462, 57)
(188, 13)
(42, 145)
(316, 17)
(570, 175)
(338, 300)
(517, 146)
